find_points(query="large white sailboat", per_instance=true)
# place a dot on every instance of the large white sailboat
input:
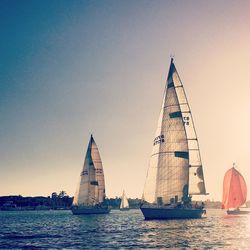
(90, 193)
(175, 171)
(124, 202)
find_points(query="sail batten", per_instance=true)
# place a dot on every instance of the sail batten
(175, 149)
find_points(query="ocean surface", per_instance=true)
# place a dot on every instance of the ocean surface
(121, 230)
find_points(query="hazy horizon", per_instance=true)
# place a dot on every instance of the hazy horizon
(72, 68)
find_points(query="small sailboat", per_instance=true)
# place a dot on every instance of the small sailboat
(175, 171)
(124, 202)
(234, 192)
(90, 193)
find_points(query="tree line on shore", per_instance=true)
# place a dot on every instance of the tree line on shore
(55, 201)
(64, 201)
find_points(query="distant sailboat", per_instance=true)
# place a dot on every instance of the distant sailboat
(175, 171)
(234, 192)
(90, 193)
(124, 202)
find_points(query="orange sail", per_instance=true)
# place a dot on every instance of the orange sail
(234, 190)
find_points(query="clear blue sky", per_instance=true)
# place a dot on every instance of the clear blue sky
(71, 68)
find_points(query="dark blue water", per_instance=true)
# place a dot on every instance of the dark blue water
(127, 230)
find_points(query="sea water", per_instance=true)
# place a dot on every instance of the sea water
(121, 230)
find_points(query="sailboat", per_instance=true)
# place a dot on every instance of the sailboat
(90, 193)
(175, 171)
(234, 192)
(124, 202)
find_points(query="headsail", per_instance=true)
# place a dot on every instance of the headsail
(234, 189)
(175, 166)
(124, 201)
(91, 189)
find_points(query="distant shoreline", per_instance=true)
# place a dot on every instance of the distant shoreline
(63, 202)
(53, 202)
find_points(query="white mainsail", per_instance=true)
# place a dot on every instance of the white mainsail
(91, 189)
(124, 201)
(175, 168)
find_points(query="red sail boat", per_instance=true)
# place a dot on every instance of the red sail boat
(234, 192)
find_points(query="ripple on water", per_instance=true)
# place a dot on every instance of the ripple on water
(127, 229)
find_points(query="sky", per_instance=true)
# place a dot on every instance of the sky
(72, 68)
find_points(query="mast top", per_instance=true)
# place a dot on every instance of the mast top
(91, 140)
